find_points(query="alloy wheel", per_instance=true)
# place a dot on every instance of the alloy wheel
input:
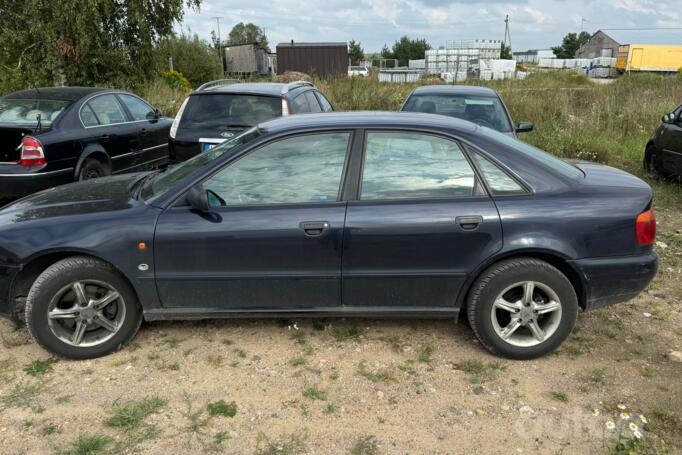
(526, 313)
(86, 313)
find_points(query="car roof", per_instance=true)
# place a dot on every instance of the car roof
(55, 93)
(251, 88)
(454, 90)
(367, 119)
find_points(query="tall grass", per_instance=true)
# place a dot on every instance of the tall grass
(573, 116)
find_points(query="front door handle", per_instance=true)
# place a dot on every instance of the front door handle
(469, 223)
(314, 228)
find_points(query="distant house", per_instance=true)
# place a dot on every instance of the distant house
(533, 55)
(319, 59)
(599, 45)
(249, 58)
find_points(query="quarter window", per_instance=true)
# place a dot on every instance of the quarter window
(498, 180)
(88, 117)
(324, 102)
(138, 108)
(107, 110)
(300, 104)
(312, 102)
(300, 169)
(412, 165)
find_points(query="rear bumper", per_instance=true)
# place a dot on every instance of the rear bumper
(614, 280)
(13, 186)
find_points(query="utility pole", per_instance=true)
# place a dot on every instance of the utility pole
(220, 45)
(507, 33)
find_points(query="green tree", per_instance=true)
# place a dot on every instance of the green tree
(195, 58)
(247, 33)
(406, 49)
(355, 52)
(506, 52)
(82, 42)
(570, 44)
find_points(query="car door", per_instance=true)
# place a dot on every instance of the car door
(109, 127)
(152, 131)
(274, 242)
(672, 143)
(421, 223)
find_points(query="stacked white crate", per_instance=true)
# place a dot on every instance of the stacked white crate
(545, 62)
(569, 63)
(417, 64)
(557, 63)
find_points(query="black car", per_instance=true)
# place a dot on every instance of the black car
(342, 214)
(480, 105)
(663, 152)
(51, 136)
(220, 110)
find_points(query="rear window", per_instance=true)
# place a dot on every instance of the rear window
(227, 110)
(486, 111)
(26, 112)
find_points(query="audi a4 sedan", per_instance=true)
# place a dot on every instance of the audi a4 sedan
(663, 152)
(57, 135)
(340, 214)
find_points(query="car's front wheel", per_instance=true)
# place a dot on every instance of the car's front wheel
(651, 163)
(522, 308)
(81, 308)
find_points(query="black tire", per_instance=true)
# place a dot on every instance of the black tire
(56, 278)
(91, 169)
(501, 276)
(651, 165)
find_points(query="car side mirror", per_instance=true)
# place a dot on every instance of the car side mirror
(524, 127)
(154, 116)
(197, 197)
(665, 118)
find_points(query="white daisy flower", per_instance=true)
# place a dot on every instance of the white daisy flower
(610, 425)
(637, 434)
(643, 419)
(595, 412)
(633, 426)
(621, 406)
(624, 415)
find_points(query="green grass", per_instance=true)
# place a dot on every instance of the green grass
(331, 408)
(378, 375)
(240, 353)
(595, 378)
(23, 395)
(227, 342)
(368, 445)
(289, 444)
(314, 393)
(222, 409)
(408, 367)
(39, 367)
(345, 332)
(559, 396)
(480, 372)
(87, 445)
(426, 353)
(130, 415)
(298, 361)
(221, 437)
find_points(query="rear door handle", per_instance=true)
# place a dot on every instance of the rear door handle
(143, 131)
(104, 138)
(314, 228)
(469, 223)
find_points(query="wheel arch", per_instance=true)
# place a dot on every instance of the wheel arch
(37, 264)
(95, 151)
(554, 258)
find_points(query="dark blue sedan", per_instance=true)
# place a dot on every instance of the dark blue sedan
(343, 214)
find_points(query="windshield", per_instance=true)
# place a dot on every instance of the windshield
(484, 110)
(229, 110)
(558, 165)
(26, 112)
(159, 183)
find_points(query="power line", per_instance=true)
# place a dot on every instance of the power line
(642, 28)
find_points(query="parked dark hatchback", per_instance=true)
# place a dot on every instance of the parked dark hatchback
(220, 110)
(663, 152)
(343, 214)
(480, 105)
(51, 136)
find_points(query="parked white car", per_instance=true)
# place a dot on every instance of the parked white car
(358, 71)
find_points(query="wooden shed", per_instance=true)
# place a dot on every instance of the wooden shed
(319, 59)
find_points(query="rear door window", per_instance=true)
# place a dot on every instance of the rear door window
(107, 110)
(213, 111)
(403, 165)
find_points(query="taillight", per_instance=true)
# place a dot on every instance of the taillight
(32, 153)
(176, 120)
(285, 108)
(645, 229)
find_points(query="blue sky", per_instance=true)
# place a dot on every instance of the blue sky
(534, 23)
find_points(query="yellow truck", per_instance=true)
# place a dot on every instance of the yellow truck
(649, 57)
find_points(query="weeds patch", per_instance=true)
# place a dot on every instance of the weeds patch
(480, 372)
(130, 416)
(378, 375)
(222, 409)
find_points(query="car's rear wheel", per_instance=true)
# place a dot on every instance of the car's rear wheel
(522, 308)
(92, 169)
(81, 308)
